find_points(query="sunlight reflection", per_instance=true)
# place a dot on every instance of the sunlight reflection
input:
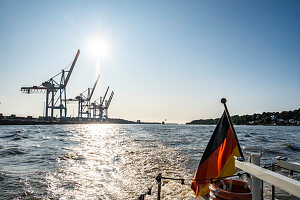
(107, 163)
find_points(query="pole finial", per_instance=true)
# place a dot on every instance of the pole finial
(223, 100)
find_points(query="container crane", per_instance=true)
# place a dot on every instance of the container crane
(98, 108)
(84, 105)
(55, 91)
(107, 103)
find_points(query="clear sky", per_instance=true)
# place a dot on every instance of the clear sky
(169, 60)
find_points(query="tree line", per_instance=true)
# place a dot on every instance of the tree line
(266, 118)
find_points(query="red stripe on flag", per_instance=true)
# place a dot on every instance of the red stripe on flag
(213, 165)
(226, 149)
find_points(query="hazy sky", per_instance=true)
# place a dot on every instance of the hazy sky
(169, 60)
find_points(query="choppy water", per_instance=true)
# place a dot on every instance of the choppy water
(117, 161)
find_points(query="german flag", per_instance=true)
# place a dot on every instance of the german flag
(218, 158)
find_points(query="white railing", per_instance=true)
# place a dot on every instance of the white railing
(292, 166)
(285, 183)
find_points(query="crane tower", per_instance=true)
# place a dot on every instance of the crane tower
(55, 91)
(84, 105)
(98, 108)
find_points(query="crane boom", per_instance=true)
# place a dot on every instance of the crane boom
(28, 90)
(71, 69)
(101, 103)
(89, 98)
(109, 100)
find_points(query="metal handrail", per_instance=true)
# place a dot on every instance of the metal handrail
(292, 166)
(285, 183)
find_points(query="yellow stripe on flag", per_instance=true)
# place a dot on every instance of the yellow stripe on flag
(227, 170)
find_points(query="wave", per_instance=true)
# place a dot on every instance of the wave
(295, 147)
(8, 136)
(12, 151)
(247, 135)
(264, 139)
(291, 146)
(16, 135)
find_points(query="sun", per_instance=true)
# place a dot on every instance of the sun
(99, 48)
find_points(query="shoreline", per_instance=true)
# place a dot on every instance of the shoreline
(42, 121)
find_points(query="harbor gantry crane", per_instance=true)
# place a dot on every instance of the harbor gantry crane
(84, 105)
(98, 108)
(55, 91)
(107, 103)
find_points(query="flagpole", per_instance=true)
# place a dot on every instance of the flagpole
(223, 101)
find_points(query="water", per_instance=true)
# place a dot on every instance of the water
(117, 161)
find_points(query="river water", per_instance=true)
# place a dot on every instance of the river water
(102, 161)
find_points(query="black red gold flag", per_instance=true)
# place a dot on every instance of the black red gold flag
(218, 158)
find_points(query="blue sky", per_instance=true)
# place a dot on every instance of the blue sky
(169, 60)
